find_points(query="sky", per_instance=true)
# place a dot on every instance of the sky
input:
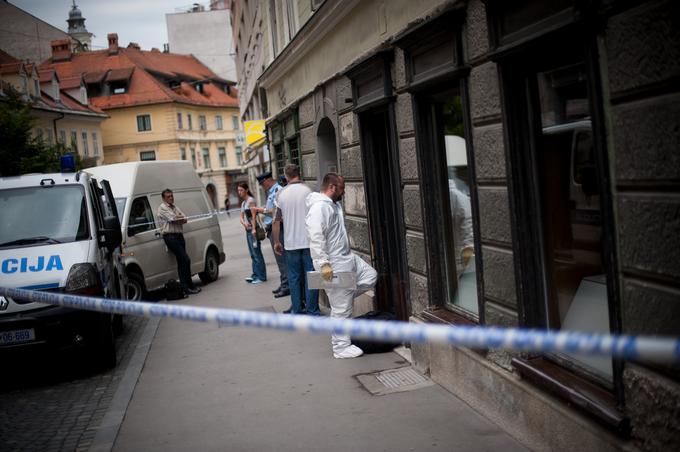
(140, 21)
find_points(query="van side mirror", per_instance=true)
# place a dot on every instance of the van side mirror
(112, 236)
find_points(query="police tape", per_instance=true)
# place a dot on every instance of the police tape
(213, 213)
(653, 349)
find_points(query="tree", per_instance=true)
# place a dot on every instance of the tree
(20, 152)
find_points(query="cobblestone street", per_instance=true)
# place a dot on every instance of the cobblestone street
(57, 409)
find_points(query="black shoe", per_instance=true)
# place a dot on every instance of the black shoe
(193, 290)
(283, 293)
(288, 311)
(278, 289)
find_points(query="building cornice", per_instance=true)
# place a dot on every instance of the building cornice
(314, 30)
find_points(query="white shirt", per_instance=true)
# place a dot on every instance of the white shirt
(166, 215)
(291, 202)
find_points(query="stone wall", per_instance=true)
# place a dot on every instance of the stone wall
(642, 47)
(500, 303)
(418, 297)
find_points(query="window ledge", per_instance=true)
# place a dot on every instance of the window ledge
(441, 315)
(579, 392)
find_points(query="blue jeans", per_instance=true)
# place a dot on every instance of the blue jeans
(256, 257)
(177, 246)
(299, 263)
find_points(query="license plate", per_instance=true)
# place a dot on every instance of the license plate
(17, 336)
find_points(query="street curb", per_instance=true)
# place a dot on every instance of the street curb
(108, 429)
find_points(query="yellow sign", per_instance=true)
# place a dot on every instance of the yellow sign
(254, 131)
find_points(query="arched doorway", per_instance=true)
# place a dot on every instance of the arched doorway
(326, 148)
(212, 195)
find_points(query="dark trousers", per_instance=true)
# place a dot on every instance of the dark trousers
(280, 260)
(176, 244)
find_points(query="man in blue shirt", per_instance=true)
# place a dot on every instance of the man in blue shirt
(271, 188)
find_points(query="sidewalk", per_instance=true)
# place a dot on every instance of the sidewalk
(239, 389)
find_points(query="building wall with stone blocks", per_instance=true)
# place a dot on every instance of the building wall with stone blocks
(642, 54)
(411, 194)
(499, 302)
(639, 51)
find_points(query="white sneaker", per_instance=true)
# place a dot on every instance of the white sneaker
(350, 352)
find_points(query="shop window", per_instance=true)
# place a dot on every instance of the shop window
(443, 129)
(562, 204)
(570, 202)
(436, 75)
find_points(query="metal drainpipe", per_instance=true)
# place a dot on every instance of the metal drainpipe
(54, 125)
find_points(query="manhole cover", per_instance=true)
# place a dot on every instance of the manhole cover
(393, 380)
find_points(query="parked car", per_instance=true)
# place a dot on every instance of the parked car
(137, 188)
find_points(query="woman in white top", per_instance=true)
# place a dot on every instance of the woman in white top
(249, 222)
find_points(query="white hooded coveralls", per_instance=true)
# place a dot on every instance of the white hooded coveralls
(328, 243)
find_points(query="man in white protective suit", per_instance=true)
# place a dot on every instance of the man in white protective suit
(329, 247)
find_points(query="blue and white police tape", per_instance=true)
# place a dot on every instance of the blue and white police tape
(213, 213)
(654, 349)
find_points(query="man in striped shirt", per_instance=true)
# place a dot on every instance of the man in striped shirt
(171, 221)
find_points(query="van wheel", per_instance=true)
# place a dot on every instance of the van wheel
(135, 287)
(212, 267)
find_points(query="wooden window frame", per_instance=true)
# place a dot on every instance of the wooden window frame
(515, 55)
(445, 32)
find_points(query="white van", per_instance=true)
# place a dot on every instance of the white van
(59, 232)
(137, 187)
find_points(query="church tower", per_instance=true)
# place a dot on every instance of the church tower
(76, 28)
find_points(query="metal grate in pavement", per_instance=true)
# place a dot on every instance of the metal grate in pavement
(400, 377)
(393, 380)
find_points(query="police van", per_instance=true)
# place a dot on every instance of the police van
(59, 232)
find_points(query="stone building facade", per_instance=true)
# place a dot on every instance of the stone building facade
(511, 164)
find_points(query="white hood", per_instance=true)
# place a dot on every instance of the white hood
(328, 242)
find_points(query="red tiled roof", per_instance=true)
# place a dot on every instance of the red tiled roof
(70, 82)
(120, 74)
(66, 102)
(46, 75)
(144, 87)
(11, 68)
(94, 77)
